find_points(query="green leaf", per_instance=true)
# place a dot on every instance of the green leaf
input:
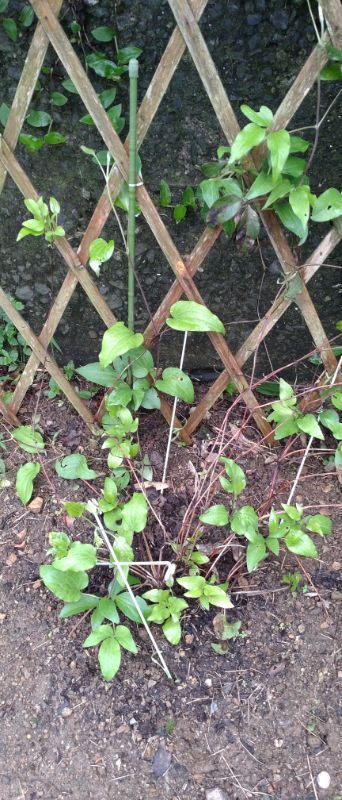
(294, 166)
(125, 603)
(110, 491)
(164, 194)
(319, 523)
(216, 515)
(186, 315)
(298, 145)
(108, 610)
(217, 596)
(329, 419)
(103, 33)
(126, 53)
(66, 586)
(285, 390)
(301, 544)
(74, 509)
(3, 6)
(237, 476)
(278, 144)
(335, 53)
(291, 221)
(256, 552)
(262, 185)
(124, 637)
(141, 362)
(117, 340)
(264, 117)
(272, 543)
(31, 143)
(99, 252)
(69, 86)
(328, 206)
(29, 440)
(85, 603)
(80, 557)
(4, 113)
(150, 399)
(249, 137)
(58, 99)
(299, 200)
(53, 138)
(336, 400)
(331, 72)
(309, 425)
(188, 197)
(24, 480)
(134, 513)
(98, 635)
(109, 658)
(74, 466)
(26, 16)
(179, 212)
(224, 209)
(172, 631)
(281, 189)
(194, 584)
(176, 383)
(210, 191)
(103, 376)
(106, 99)
(39, 119)
(245, 522)
(10, 26)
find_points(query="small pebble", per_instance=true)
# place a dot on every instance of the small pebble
(216, 794)
(323, 780)
(208, 682)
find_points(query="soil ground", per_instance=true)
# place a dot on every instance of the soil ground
(261, 721)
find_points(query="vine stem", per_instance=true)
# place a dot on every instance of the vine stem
(132, 596)
(172, 421)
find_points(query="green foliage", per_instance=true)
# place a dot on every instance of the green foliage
(186, 315)
(29, 440)
(73, 467)
(206, 592)
(288, 525)
(180, 210)
(100, 251)
(44, 221)
(166, 610)
(24, 480)
(13, 348)
(280, 183)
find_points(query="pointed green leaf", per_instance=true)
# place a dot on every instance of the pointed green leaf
(98, 635)
(66, 586)
(262, 185)
(301, 544)
(109, 658)
(264, 117)
(249, 137)
(256, 552)
(24, 480)
(80, 557)
(328, 206)
(245, 522)
(124, 637)
(216, 515)
(172, 631)
(85, 603)
(278, 144)
(176, 383)
(116, 341)
(309, 425)
(186, 315)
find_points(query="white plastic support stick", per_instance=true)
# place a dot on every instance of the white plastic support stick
(124, 579)
(167, 455)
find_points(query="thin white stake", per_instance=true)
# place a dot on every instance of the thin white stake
(124, 579)
(167, 455)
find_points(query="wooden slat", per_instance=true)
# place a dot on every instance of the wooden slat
(272, 316)
(332, 10)
(45, 358)
(26, 87)
(225, 114)
(147, 111)
(111, 139)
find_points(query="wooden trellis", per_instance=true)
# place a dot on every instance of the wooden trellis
(187, 34)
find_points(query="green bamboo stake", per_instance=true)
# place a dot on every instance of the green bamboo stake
(133, 70)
